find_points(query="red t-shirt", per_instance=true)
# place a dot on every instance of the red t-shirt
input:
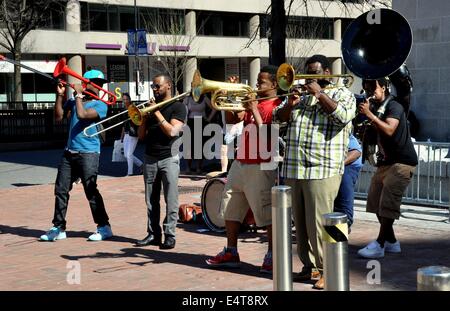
(250, 150)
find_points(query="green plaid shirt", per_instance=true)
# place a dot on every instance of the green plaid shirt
(317, 142)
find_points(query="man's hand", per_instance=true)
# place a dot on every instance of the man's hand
(61, 89)
(313, 88)
(250, 103)
(364, 108)
(233, 79)
(294, 99)
(78, 88)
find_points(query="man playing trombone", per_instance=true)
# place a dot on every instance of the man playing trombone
(319, 126)
(160, 131)
(80, 158)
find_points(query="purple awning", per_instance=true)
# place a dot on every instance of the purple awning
(103, 46)
(182, 48)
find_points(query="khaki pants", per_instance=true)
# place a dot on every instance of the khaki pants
(386, 190)
(310, 200)
(248, 186)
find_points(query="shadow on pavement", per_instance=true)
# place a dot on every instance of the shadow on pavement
(157, 257)
(36, 233)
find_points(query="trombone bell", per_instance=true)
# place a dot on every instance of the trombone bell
(286, 77)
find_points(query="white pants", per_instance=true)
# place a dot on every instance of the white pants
(129, 145)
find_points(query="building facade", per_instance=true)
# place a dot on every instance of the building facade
(429, 63)
(220, 37)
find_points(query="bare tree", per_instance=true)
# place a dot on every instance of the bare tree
(279, 11)
(174, 43)
(306, 29)
(17, 19)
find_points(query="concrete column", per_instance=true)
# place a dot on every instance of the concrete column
(337, 30)
(73, 24)
(254, 26)
(190, 67)
(337, 66)
(255, 66)
(190, 22)
(73, 16)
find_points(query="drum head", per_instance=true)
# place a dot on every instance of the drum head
(211, 204)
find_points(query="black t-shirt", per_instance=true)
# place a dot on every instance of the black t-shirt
(398, 148)
(159, 144)
(130, 128)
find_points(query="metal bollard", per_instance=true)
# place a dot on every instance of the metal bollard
(335, 248)
(433, 278)
(281, 237)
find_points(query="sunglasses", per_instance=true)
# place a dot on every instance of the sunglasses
(155, 86)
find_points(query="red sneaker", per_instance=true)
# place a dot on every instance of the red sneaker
(266, 266)
(224, 259)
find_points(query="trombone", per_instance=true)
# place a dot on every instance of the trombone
(135, 112)
(286, 77)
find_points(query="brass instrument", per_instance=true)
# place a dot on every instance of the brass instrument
(375, 50)
(225, 96)
(137, 114)
(286, 77)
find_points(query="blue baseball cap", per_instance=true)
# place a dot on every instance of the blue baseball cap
(95, 75)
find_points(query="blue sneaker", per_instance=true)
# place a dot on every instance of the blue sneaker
(53, 234)
(101, 234)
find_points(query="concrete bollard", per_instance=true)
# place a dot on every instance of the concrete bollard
(433, 278)
(335, 252)
(281, 237)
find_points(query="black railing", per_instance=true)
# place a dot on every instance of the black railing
(30, 124)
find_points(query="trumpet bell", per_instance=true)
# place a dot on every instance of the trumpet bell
(376, 45)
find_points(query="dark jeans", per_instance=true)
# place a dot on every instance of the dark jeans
(73, 166)
(165, 172)
(344, 200)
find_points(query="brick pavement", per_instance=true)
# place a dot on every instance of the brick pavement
(26, 264)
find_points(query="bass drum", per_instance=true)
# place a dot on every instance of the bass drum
(211, 203)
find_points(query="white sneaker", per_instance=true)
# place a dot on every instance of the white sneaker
(101, 234)
(53, 234)
(372, 250)
(392, 247)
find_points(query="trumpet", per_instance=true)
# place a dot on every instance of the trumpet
(286, 77)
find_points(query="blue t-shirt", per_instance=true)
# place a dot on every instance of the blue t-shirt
(77, 141)
(354, 145)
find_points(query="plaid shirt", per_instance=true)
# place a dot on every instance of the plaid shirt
(317, 142)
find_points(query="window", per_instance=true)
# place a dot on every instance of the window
(126, 14)
(98, 17)
(222, 24)
(105, 17)
(54, 17)
(162, 21)
(113, 18)
(301, 27)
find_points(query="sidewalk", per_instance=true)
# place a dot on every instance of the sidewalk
(26, 264)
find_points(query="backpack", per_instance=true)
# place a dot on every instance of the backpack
(190, 213)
